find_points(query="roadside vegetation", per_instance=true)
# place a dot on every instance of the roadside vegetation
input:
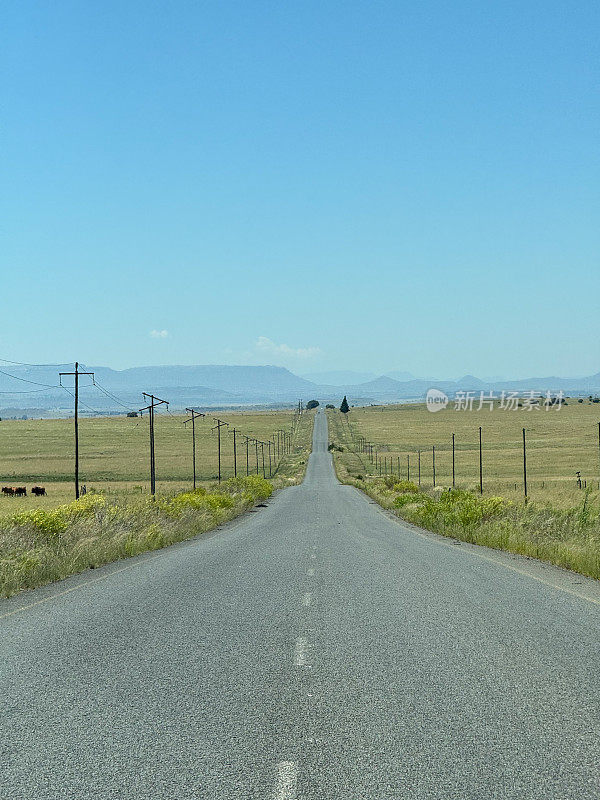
(43, 541)
(560, 525)
(114, 454)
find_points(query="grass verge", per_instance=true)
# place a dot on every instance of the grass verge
(40, 546)
(568, 537)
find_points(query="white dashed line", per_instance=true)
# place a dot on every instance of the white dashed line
(300, 651)
(307, 599)
(287, 780)
(311, 571)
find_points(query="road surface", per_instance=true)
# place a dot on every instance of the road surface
(316, 648)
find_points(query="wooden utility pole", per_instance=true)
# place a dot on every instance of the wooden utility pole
(453, 468)
(524, 467)
(480, 464)
(76, 375)
(154, 401)
(247, 438)
(433, 455)
(419, 457)
(218, 427)
(234, 431)
(192, 419)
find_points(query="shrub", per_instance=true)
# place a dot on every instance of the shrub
(405, 486)
(407, 498)
(312, 404)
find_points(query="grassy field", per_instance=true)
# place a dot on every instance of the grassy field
(560, 523)
(114, 453)
(559, 443)
(48, 538)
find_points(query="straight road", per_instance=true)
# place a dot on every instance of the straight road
(316, 648)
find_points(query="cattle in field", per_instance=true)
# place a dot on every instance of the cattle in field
(38, 491)
(21, 491)
(8, 491)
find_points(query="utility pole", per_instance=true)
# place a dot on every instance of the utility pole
(453, 467)
(218, 427)
(192, 419)
(256, 449)
(262, 450)
(480, 464)
(234, 431)
(154, 401)
(269, 443)
(433, 454)
(76, 375)
(524, 467)
(247, 438)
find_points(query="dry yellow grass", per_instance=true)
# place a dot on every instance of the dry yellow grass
(559, 443)
(114, 453)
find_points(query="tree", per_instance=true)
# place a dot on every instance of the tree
(312, 404)
(344, 408)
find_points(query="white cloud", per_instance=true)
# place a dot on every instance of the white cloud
(266, 345)
(159, 334)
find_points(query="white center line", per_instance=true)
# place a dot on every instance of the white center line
(310, 571)
(300, 651)
(307, 599)
(287, 780)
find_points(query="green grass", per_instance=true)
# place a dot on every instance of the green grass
(114, 453)
(48, 538)
(559, 524)
(559, 443)
(43, 545)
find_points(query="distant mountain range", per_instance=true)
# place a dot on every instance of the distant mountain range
(34, 390)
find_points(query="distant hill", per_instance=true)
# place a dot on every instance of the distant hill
(339, 377)
(36, 389)
(398, 375)
(183, 386)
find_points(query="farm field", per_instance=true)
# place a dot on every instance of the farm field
(560, 443)
(114, 453)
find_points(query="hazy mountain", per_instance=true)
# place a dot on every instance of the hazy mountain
(26, 388)
(339, 377)
(470, 382)
(181, 385)
(398, 375)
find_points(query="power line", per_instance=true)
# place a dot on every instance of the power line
(25, 380)
(81, 403)
(30, 391)
(25, 364)
(112, 397)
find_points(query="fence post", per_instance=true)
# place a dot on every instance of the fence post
(453, 465)
(524, 466)
(480, 464)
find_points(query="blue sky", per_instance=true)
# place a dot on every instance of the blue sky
(322, 185)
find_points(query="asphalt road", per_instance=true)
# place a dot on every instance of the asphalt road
(316, 648)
